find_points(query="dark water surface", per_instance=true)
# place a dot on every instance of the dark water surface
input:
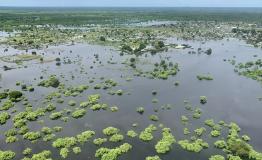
(230, 97)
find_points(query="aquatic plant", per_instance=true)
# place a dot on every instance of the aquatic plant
(66, 142)
(140, 110)
(84, 104)
(99, 141)
(79, 113)
(131, 133)
(197, 113)
(215, 133)
(110, 131)
(4, 116)
(216, 157)
(116, 138)
(246, 138)
(50, 107)
(7, 105)
(27, 151)
(46, 130)
(195, 146)
(32, 116)
(64, 152)
(72, 103)
(200, 131)
(52, 81)
(114, 109)
(85, 136)
(48, 137)
(32, 136)
(210, 122)
(147, 135)
(153, 158)
(112, 154)
(10, 132)
(3, 95)
(77, 150)
(186, 131)
(98, 86)
(119, 92)
(220, 144)
(184, 119)
(203, 99)
(93, 99)
(153, 118)
(11, 139)
(44, 155)
(165, 144)
(232, 157)
(56, 115)
(7, 155)
(207, 77)
(15, 95)
(58, 129)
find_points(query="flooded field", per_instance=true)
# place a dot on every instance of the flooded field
(154, 90)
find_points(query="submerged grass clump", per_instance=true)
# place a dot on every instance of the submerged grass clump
(203, 99)
(99, 141)
(165, 144)
(51, 82)
(109, 131)
(7, 155)
(147, 135)
(207, 77)
(194, 146)
(153, 158)
(112, 154)
(217, 157)
(116, 138)
(4, 116)
(131, 133)
(32, 136)
(79, 113)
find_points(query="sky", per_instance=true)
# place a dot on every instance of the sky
(133, 3)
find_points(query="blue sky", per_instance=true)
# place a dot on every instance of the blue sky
(135, 3)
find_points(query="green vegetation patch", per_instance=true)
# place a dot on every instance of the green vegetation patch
(165, 144)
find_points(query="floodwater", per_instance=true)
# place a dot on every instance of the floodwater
(230, 97)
